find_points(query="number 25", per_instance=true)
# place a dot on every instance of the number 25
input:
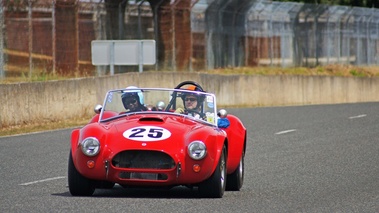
(152, 133)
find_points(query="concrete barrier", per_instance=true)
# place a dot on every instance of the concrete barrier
(27, 103)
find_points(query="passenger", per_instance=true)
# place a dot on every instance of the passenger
(133, 100)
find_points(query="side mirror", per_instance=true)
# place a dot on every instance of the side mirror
(223, 121)
(222, 113)
(98, 109)
(161, 106)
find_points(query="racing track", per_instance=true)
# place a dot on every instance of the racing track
(299, 159)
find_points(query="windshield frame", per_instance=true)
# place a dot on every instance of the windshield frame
(209, 105)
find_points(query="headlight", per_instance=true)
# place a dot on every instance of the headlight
(197, 150)
(90, 146)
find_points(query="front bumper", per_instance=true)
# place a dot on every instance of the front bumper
(146, 168)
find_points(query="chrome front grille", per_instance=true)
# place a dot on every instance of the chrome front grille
(143, 160)
(142, 176)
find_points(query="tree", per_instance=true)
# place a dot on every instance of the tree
(66, 40)
(115, 12)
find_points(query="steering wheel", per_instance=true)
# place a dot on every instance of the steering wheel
(202, 115)
(178, 87)
(190, 83)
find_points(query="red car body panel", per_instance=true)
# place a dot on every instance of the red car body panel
(236, 134)
(183, 131)
(163, 146)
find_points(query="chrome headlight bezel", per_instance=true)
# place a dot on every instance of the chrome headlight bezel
(90, 146)
(197, 150)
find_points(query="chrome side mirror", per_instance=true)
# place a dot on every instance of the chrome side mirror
(223, 121)
(222, 113)
(161, 106)
(98, 109)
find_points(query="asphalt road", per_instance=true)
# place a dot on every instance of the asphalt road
(322, 158)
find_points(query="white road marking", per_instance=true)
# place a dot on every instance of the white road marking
(39, 181)
(358, 116)
(285, 131)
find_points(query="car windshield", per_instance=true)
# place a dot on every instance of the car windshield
(192, 104)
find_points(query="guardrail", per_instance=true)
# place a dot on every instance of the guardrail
(27, 103)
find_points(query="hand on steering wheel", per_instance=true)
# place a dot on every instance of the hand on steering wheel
(202, 115)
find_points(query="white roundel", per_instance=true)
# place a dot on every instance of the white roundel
(147, 133)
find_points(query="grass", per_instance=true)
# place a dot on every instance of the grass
(35, 77)
(329, 70)
(29, 128)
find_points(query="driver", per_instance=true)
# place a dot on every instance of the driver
(192, 103)
(133, 100)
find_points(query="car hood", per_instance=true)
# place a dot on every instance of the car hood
(155, 132)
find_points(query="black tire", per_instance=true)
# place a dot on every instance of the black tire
(77, 183)
(104, 185)
(214, 186)
(235, 180)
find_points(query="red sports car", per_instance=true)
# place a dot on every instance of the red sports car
(158, 137)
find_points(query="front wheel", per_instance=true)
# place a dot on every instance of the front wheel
(77, 183)
(235, 180)
(214, 186)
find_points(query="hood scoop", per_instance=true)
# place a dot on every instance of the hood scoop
(151, 119)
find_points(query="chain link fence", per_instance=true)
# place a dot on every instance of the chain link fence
(257, 33)
(43, 36)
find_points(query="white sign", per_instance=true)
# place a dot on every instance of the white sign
(123, 52)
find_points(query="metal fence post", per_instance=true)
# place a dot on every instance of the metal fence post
(358, 38)
(348, 34)
(139, 20)
(368, 39)
(121, 20)
(30, 17)
(376, 56)
(53, 33)
(2, 72)
(156, 34)
(111, 64)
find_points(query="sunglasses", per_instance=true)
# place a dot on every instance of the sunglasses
(190, 99)
(131, 101)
